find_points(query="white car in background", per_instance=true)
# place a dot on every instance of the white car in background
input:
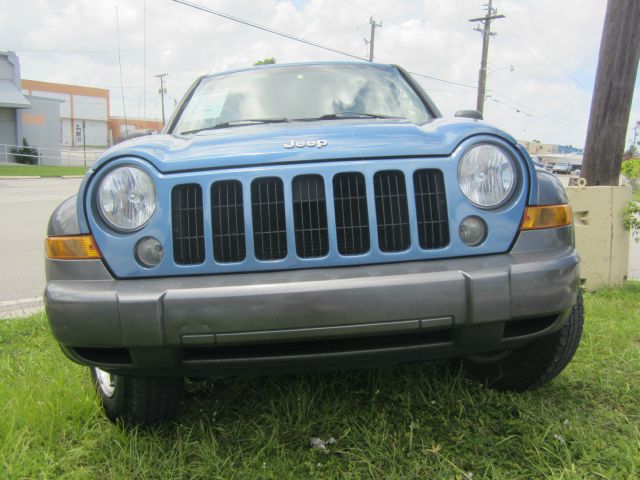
(562, 167)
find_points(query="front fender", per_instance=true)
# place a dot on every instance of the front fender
(64, 219)
(550, 190)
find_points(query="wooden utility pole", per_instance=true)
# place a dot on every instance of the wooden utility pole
(613, 93)
(162, 91)
(486, 35)
(372, 36)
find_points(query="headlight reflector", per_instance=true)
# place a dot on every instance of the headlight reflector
(487, 175)
(126, 198)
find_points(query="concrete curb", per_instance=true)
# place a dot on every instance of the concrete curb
(16, 177)
(20, 308)
(29, 177)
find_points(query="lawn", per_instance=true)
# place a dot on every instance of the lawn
(14, 170)
(413, 422)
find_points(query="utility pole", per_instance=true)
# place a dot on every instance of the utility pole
(486, 35)
(613, 93)
(162, 91)
(84, 142)
(372, 36)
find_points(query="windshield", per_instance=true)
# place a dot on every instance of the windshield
(306, 92)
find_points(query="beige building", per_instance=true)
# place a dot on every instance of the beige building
(537, 148)
(84, 111)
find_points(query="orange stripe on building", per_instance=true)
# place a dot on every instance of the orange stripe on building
(64, 88)
(31, 119)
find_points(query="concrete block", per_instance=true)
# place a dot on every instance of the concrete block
(601, 239)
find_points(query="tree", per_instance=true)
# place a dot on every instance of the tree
(266, 61)
(613, 93)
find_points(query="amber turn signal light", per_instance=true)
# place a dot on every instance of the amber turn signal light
(546, 216)
(77, 247)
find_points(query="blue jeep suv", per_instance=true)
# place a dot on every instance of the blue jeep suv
(311, 216)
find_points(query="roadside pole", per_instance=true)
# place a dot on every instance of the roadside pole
(84, 143)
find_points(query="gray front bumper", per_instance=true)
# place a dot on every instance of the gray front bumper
(87, 308)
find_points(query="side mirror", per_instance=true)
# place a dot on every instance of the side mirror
(475, 114)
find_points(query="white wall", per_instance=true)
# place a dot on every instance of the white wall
(96, 133)
(65, 132)
(90, 108)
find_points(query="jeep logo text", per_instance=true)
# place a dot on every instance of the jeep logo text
(307, 143)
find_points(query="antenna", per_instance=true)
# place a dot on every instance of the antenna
(124, 110)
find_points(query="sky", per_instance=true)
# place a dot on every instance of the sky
(542, 62)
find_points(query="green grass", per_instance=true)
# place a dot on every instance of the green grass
(636, 194)
(39, 171)
(413, 421)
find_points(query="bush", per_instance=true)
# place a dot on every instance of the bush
(26, 155)
(631, 169)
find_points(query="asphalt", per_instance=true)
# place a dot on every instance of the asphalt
(25, 207)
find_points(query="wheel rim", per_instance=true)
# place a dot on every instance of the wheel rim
(106, 382)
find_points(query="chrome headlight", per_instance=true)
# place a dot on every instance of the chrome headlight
(487, 175)
(126, 198)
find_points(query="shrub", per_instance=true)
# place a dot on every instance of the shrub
(25, 154)
(631, 169)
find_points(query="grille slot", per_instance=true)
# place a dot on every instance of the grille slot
(310, 216)
(228, 222)
(352, 219)
(269, 226)
(391, 211)
(187, 224)
(431, 209)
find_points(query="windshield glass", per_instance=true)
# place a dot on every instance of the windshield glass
(305, 92)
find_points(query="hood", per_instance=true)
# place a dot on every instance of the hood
(263, 144)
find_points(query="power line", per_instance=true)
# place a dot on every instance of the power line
(442, 80)
(266, 29)
(539, 55)
(549, 52)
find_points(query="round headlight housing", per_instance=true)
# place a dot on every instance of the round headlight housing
(126, 198)
(487, 175)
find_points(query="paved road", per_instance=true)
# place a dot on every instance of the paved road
(25, 207)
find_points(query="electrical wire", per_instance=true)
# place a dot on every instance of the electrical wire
(430, 77)
(266, 29)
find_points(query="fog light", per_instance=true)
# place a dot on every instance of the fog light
(149, 252)
(473, 231)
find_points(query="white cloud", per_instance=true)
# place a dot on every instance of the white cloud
(552, 45)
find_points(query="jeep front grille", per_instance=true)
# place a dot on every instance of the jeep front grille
(431, 209)
(187, 224)
(227, 221)
(352, 219)
(391, 211)
(310, 216)
(269, 224)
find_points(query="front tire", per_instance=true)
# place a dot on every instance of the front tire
(137, 400)
(534, 364)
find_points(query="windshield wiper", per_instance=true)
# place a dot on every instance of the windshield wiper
(341, 115)
(238, 123)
